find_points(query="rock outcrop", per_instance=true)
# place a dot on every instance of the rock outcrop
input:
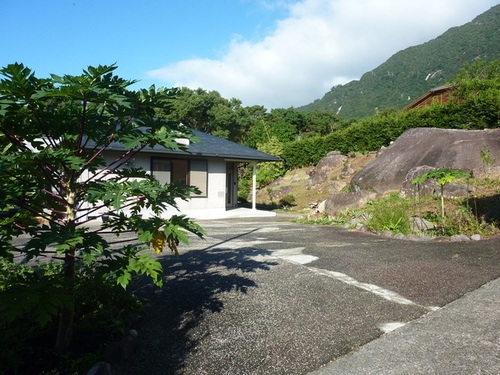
(431, 187)
(437, 148)
(342, 201)
(416, 152)
(393, 168)
(334, 160)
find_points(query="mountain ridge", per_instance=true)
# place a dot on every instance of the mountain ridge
(410, 73)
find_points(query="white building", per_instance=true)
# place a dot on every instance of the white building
(210, 165)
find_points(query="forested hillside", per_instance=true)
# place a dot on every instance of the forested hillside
(412, 72)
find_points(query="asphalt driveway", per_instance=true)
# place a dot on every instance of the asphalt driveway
(266, 296)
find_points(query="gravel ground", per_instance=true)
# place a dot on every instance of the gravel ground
(265, 296)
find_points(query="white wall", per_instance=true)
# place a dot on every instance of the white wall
(216, 194)
(216, 191)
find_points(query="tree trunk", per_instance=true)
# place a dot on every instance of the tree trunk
(443, 221)
(66, 317)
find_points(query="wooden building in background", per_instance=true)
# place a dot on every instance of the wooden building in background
(439, 94)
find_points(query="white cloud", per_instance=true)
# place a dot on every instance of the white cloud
(322, 43)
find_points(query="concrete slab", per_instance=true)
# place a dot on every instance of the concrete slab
(461, 338)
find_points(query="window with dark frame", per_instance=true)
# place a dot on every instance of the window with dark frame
(189, 172)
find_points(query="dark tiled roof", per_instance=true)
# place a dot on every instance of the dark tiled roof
(212, 146)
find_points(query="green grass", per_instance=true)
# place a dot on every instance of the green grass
(392, 213)
(394, 218)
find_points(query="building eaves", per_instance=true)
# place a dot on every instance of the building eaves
(211, 146)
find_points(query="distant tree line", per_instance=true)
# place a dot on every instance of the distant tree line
(209, 112)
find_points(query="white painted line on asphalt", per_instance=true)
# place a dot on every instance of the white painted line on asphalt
(279, 229)
(375, 289)
(389, 327)
(269, 229)
(238, 244)
(293, 255)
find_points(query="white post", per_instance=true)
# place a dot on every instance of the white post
(254, 187)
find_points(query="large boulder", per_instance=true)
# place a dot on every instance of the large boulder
(342, 201)
(438, 148)
(431, 187)
(319, 174)
(408, 189)
(271, 195)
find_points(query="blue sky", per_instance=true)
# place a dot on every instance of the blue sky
(275, 53)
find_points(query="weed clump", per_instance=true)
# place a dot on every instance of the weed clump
(386, 218)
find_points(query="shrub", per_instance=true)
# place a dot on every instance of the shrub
(463, 221)
(393, 218)
(287, 200)
(268, 172)
(244, 188)
(27, 325)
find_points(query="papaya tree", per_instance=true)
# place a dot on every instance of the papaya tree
(442, 176)
(54, 133)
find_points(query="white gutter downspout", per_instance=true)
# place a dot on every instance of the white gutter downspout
(254, 187)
